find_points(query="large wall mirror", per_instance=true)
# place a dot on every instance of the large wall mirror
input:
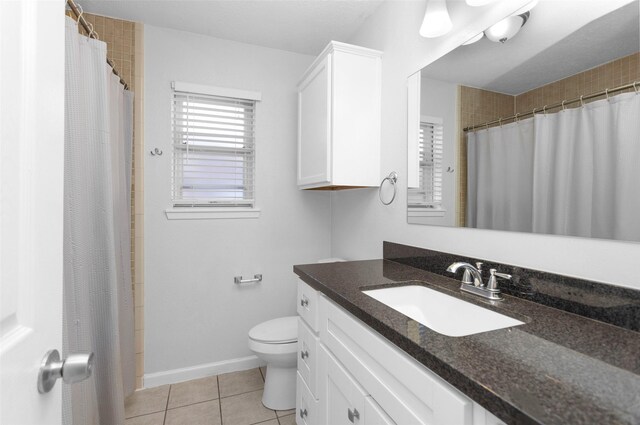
(540, 133)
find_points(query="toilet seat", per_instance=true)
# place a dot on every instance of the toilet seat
(283, 330)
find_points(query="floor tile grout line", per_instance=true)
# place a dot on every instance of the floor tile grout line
(219, 399)
(166, 407)
(246, 392)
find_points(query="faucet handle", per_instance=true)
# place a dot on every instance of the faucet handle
(493, 279)
(479, 266)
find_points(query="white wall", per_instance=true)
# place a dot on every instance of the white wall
(439, 99)
(194, 314)
(361, 223)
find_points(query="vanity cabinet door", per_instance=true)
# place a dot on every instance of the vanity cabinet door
(344, 398)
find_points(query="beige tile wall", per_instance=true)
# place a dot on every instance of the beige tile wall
(479, 106)
(124, 41)
(613, 74)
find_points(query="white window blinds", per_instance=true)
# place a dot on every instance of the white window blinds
(429, 194)
(213, 149)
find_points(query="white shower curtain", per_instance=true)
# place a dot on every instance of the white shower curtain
(582, 166)
(98, 299)
(500, 177)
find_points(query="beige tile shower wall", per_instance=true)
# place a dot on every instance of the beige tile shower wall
(477, 106)
(613, 74)
(124, 41)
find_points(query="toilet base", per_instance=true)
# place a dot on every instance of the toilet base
(279, 388)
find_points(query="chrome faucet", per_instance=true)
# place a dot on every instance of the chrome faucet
(469, 272)
(472, 280)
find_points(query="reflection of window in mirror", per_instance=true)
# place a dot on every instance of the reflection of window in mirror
(430, 150)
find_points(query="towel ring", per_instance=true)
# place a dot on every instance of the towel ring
(393, 179)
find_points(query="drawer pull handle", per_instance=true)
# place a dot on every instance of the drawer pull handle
(304, 354)
(303, 413)
(304, 302)
(353, 415)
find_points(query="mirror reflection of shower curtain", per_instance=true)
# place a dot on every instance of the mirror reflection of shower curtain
(98, 299)
(584, 172)
(500, 177)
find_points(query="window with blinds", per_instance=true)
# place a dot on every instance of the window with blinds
(213, 148)
(430, 149)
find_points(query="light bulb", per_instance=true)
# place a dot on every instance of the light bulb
(436, 20)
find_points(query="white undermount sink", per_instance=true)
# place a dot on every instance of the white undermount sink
(440, 312)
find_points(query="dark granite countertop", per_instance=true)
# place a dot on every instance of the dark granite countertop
(557, 368)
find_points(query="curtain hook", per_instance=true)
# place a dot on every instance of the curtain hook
(500, 121)
(81, 12)
(534, 112)
(582, 101)
(606, 92)
(563, 104)
(486, 125)
(517, 117)
(545, 110)
(91, 29)
(635, 86)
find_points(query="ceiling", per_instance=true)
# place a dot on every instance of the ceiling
(561, 38)
(302, 26)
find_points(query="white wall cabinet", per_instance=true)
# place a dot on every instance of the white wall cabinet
(361, 378)
(339, 119)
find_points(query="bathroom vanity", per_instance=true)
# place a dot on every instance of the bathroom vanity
(363, 362)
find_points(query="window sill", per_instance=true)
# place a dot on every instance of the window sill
(206, 213)
(426, 212)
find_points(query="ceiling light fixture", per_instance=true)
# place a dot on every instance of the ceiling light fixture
(476, 3)
(436, 20)
(507, 28)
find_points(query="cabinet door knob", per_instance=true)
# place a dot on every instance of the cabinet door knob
(304, 302)
(353, 415)
(304, 354)
(303, 413)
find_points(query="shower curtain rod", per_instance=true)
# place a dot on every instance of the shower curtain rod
(635, 85)
(92, 34)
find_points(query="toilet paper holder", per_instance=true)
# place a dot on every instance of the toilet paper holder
(239, 280)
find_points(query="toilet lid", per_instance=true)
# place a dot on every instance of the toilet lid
(276, 331)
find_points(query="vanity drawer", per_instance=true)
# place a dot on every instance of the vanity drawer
(308, 305)
(306, 404)
(307, 356)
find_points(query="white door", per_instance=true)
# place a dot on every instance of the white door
(31, 204)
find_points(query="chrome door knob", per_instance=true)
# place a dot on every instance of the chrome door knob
(75, 368)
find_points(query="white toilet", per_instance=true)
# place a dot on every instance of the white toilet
(276, 342)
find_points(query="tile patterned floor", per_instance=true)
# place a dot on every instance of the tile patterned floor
(229, 399)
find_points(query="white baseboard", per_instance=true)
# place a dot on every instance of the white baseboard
(200, 371)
